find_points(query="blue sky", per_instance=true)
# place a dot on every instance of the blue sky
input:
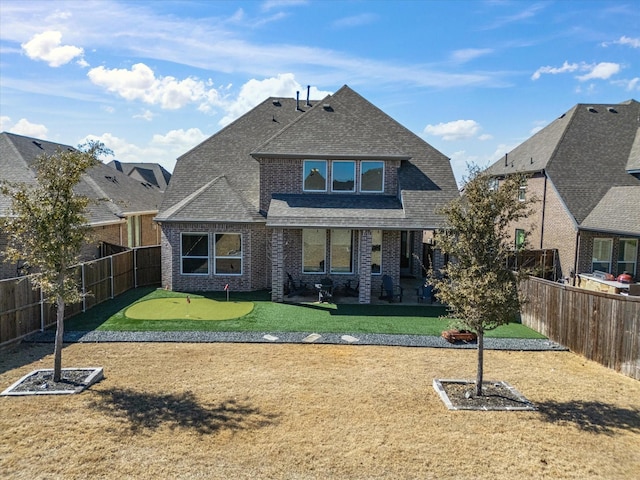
(153, 79)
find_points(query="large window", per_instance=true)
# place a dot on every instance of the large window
(627, 256)
(194, 252)
(341, 251)
(228, 254)
(315, 176)
(376, 252)
(343, 176)
(372, 176)
(601, 259)
(314, 247)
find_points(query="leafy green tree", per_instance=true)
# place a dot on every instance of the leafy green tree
(477, 284)
(47, 227)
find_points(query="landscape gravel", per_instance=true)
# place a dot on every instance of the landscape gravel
(515, 344)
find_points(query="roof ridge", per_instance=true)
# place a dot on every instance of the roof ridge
(572, 112)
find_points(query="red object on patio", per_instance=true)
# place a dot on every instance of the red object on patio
(453, 336)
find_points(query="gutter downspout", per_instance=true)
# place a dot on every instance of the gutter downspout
(575, 259)
(544, 205)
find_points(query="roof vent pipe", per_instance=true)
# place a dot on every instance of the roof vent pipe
(506, 159)
(297, 100)
(308, 92)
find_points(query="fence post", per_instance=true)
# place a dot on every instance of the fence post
(41, 309)
(111, 276)
(84, 288)
(135, 267)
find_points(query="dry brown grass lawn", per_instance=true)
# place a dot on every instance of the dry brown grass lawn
(238, 411)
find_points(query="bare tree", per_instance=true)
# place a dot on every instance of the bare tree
(477, 285)
(47, 227)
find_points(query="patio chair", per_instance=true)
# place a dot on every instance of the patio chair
(295, 289)
(390, 291)
(349, 291)
(425, 293)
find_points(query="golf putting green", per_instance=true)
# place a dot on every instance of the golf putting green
(178, 308)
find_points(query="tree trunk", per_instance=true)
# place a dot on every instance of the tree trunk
(480, 363)
(57, 350)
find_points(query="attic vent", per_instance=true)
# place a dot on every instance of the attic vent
(327, 107)
(277, 103)
(38, 144)
(113, 179)
(562, 116)
(612, 110)
(592, 109)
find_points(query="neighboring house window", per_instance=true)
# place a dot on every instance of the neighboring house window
(194, 250)
(522, 191)
(133, 231)
(372, 176)
(314, 247)
(520, 238)
(343, 175)
(315, 176)
(341, 251)
(627, 256)
(376, 252)
(601, 259)
(494, 183)
(228, 254)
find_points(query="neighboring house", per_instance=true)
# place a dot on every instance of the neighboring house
(585, 169)
(332, 188)
(151, 174)
(122, 213)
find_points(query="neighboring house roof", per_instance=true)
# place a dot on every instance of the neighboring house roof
(584, 153)
(150, 173)
(617, 212)
(342, 125)
(633, 165)
(117, 194)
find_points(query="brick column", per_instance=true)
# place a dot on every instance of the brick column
(364, 295)
(277, 265)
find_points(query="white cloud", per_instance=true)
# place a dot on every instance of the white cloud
(624, 40)
(140, 83)
(566, 67)
(355, 20)
(146, 115)
(468, 54)
(23, 127)
(601, 71)
(255, 91)
(485, 136)
(634, 84)
(46, 47)
(456, 130)
(162, 149)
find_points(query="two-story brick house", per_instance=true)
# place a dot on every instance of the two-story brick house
(584, 168)
(121, 212)
(331, 188)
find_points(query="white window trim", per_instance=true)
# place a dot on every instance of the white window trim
(324, 270)
(383, 175)
(353, 190)
(208, 257)
(326, 177)
(352, 259)
(215, 255)
(635, 259)
(610, 241)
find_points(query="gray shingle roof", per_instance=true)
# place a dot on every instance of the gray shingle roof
(119, 195)
(633, 165)
(584, 153)
(617, 212)
(152, 173)
(351, 128)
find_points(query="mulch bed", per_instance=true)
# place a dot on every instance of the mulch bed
(41, 382)
(460, 395)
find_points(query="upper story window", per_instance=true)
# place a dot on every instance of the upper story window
(315, 176)
(372, 177)
(522, 191)
(343, 175)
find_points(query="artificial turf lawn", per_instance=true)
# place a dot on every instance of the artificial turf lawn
(268, 316)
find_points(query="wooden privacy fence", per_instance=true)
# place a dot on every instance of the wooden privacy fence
(24, 311)
(599, 326)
